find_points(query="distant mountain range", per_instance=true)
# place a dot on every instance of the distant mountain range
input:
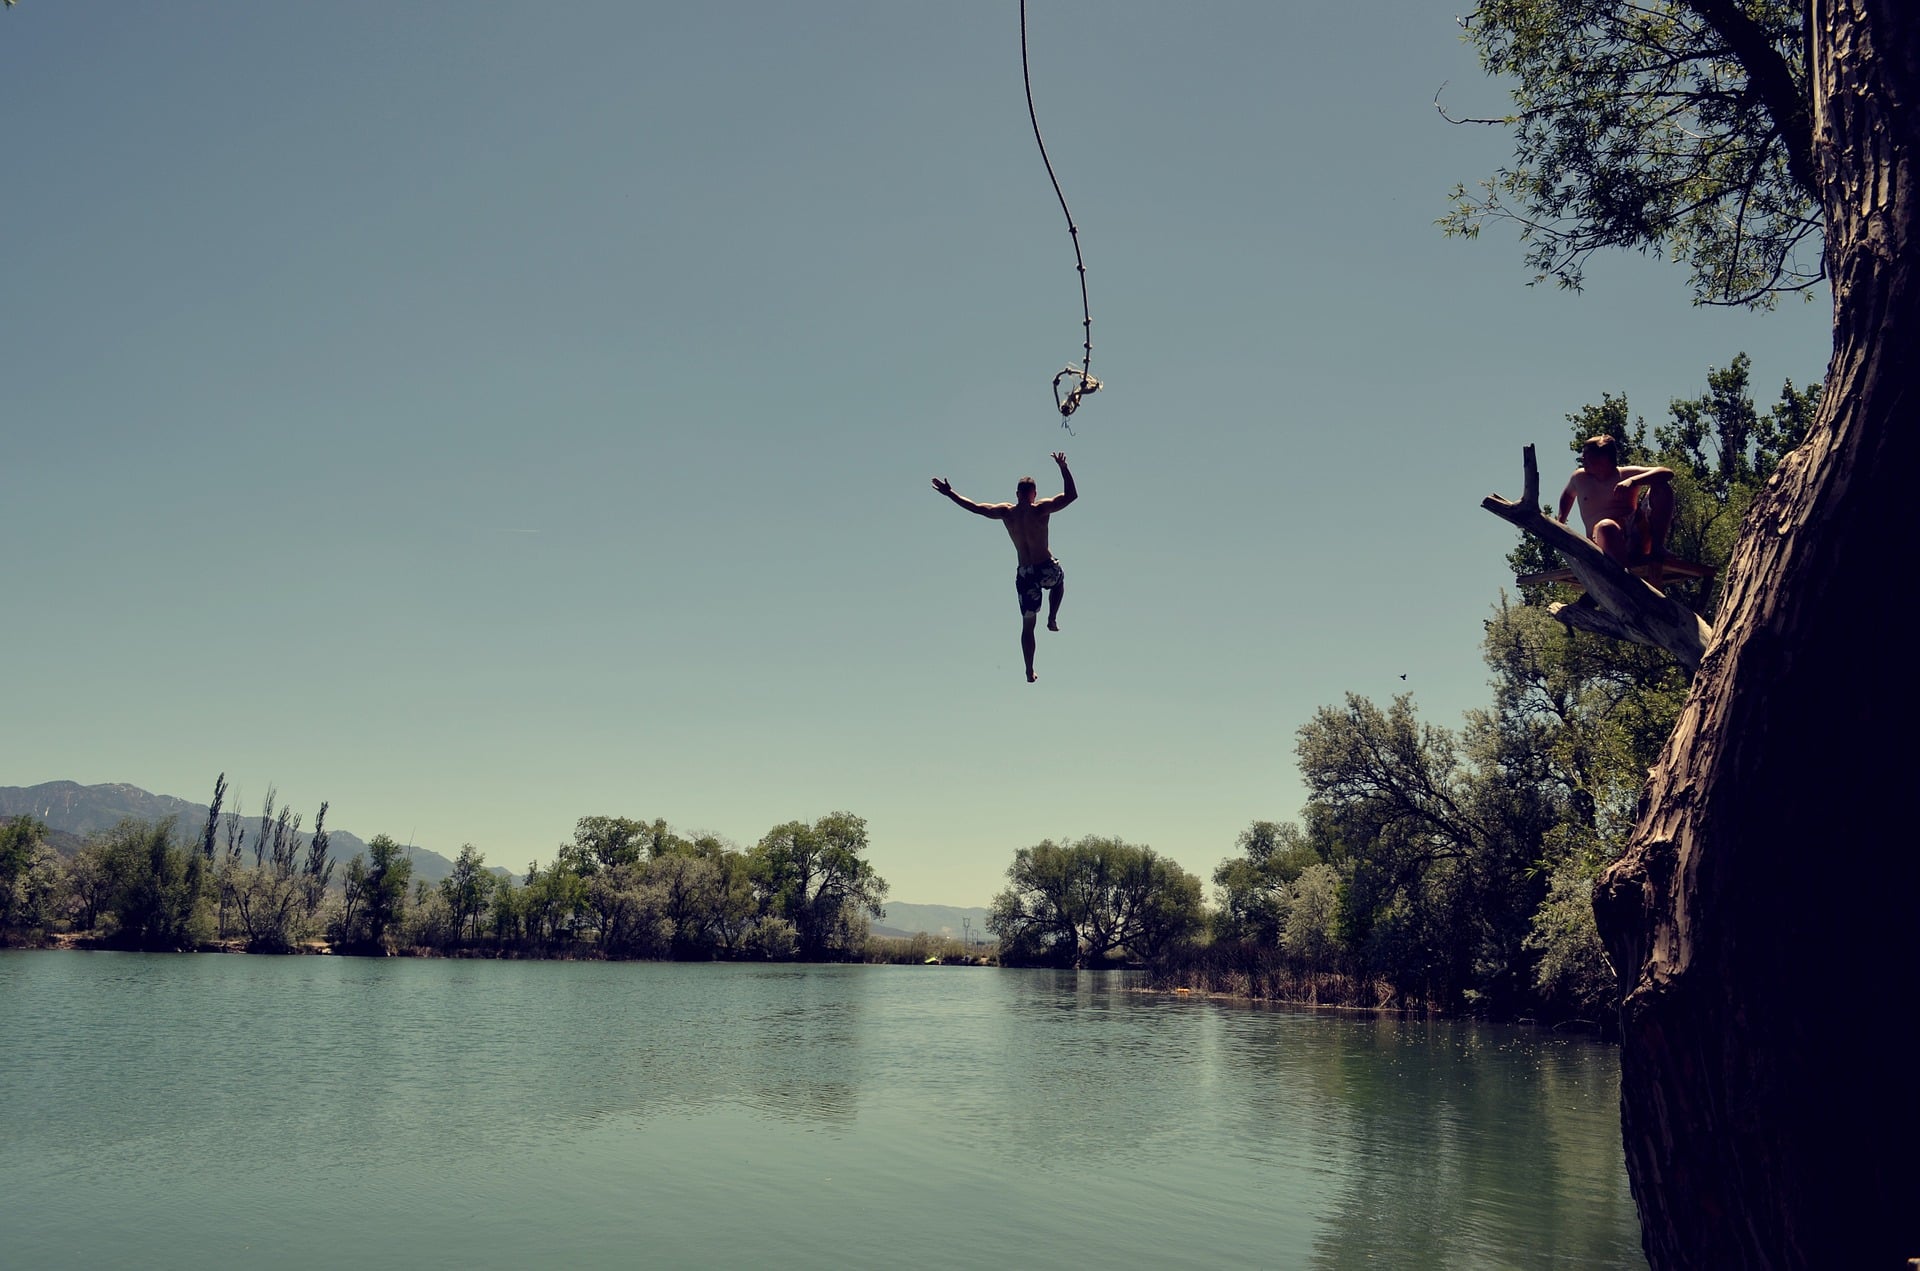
(72, 812)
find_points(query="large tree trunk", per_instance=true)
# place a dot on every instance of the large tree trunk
(1764, 919)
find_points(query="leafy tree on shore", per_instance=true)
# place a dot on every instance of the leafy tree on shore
(815, 878)
(736, 903)
(1437, 834)
(468, 891)
(1312, 932)
(1078, 904)
(608, 842)
(688, 886)
(376, 895)
(271, 896)
(628, 909)
(31, 881)
(1171, 912)
(1037, 917)
(317, 871)
(621, 888)
(554, 901)
(277, 898)
(89, 887)
(1256, 887)
(156, 888)
(506, 915)
(208, 835)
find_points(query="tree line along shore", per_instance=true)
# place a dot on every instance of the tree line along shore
(1432, 869)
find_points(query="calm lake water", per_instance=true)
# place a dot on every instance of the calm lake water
(213, 1111)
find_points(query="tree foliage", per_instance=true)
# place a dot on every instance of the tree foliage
(1435, 831)
(375, 899)
(31, 881)
(282, 889)
(1673, 127)
(620, 887)
(1454, 867)
(1079, 904)
(468, 891)
(154, 890)
(1256, 887)
(816, 879)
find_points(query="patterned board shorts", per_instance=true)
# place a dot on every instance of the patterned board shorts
(1639, 534)
(1031, 580)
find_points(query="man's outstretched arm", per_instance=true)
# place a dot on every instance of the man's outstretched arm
(993, 511)
(1067, 495)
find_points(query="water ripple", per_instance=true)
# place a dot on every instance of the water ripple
(215, 1112)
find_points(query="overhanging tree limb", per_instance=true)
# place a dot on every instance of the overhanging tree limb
(1617, 604)
(1787, 101)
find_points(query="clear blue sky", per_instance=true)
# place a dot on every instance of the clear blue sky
(485, 415)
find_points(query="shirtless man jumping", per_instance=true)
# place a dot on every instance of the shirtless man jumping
(1026, 522)
(1627, 510)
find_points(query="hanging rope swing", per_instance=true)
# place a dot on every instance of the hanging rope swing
(1079, 379)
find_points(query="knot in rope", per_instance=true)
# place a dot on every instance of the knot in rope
(1084, 385)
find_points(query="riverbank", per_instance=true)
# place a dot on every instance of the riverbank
(914, 951)
(1266, 979)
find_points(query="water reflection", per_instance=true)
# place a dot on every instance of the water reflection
(1465, 1144)
(472, 1113)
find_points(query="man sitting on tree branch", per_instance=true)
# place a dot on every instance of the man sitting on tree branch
(1627, 510)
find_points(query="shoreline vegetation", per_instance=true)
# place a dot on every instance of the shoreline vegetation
(1433, 871)
(922, 949)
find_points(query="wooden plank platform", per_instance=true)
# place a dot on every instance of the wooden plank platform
(1673, 567)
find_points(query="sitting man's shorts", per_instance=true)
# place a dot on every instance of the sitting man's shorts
(1031, 580)
(1639, 535)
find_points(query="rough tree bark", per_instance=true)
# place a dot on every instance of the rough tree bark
(1764, 918)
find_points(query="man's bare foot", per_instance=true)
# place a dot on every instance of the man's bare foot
(1052, 625)
(1031, 677)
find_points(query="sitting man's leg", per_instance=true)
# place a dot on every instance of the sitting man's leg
(1613, 539)
(1657, 514)
(1646, 533)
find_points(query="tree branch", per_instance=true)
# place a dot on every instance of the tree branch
(1772, 78)
(1617, 604)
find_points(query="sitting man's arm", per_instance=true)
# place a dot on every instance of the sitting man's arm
(992, 511)
(1566, 498)
(1631, 479)
(1067, 495)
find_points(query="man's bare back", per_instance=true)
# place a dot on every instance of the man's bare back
(1026, 520)
(1027, 526)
